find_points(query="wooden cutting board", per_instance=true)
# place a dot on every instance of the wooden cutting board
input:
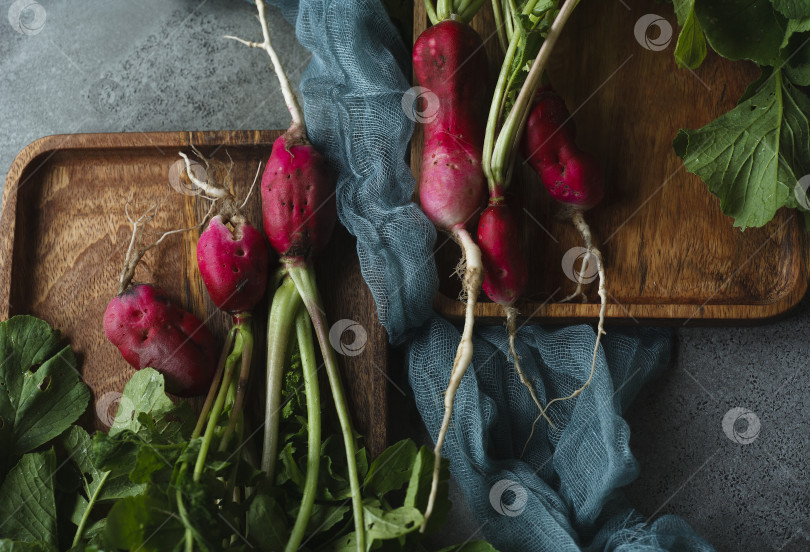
(671, 255)
(63, 236)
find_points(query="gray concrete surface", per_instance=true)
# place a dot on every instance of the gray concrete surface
(162, 65)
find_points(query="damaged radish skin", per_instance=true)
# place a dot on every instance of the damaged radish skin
(571, 176)
(452, 186)
(233, 264)
(151, 331)
(298, 197)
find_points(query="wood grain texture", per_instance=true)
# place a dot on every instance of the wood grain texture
(63, 236)
(671, 256)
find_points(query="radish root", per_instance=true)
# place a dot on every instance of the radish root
(585, 231)
(284, 81)
(137, 249)
(473, 279)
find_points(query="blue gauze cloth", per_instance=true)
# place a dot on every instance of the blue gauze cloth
(563, 493)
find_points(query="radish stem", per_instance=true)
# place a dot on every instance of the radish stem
(473, 278)
(246, 333)
(90, 503)
(212, 392)
(219, 403)
(304, 278)
(507, 143)
(310, 368)
(279, 323)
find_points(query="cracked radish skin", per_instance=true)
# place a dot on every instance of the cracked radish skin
(298, 198)
(233, 264)
(452, 187)
(572, 176)
(151, 331)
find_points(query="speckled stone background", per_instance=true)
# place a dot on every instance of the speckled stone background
(93, 66)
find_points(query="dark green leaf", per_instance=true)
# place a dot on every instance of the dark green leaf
(28, 506)
(142, 523)
(386, 525)
(7, 545)
(742, 29)
(41, 394)
(392, 469)
(793, 9)
(751, 156)
(690, 50)
(419, 488)
(797, 58)
(267, 524)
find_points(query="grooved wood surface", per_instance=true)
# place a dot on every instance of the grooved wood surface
(671, 256)
(63, 236)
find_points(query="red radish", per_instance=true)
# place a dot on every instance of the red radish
(299, 209)
(151, 331)
(233, 263)
(449, 60)
(505, 126)
(298, 197)
(572, 177)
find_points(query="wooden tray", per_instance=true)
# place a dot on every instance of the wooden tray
(671, 255)
(63, 235)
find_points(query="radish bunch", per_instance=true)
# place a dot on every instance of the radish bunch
(151, 331)
(299, 212)
(456, 161)
(571, 176)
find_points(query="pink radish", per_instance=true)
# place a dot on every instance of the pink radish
(449, 60)
(299, 209)
(233, 260)
(233, 263)
(151, 331)
(572, 177)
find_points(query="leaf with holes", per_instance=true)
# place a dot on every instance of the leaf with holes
(41, 394)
